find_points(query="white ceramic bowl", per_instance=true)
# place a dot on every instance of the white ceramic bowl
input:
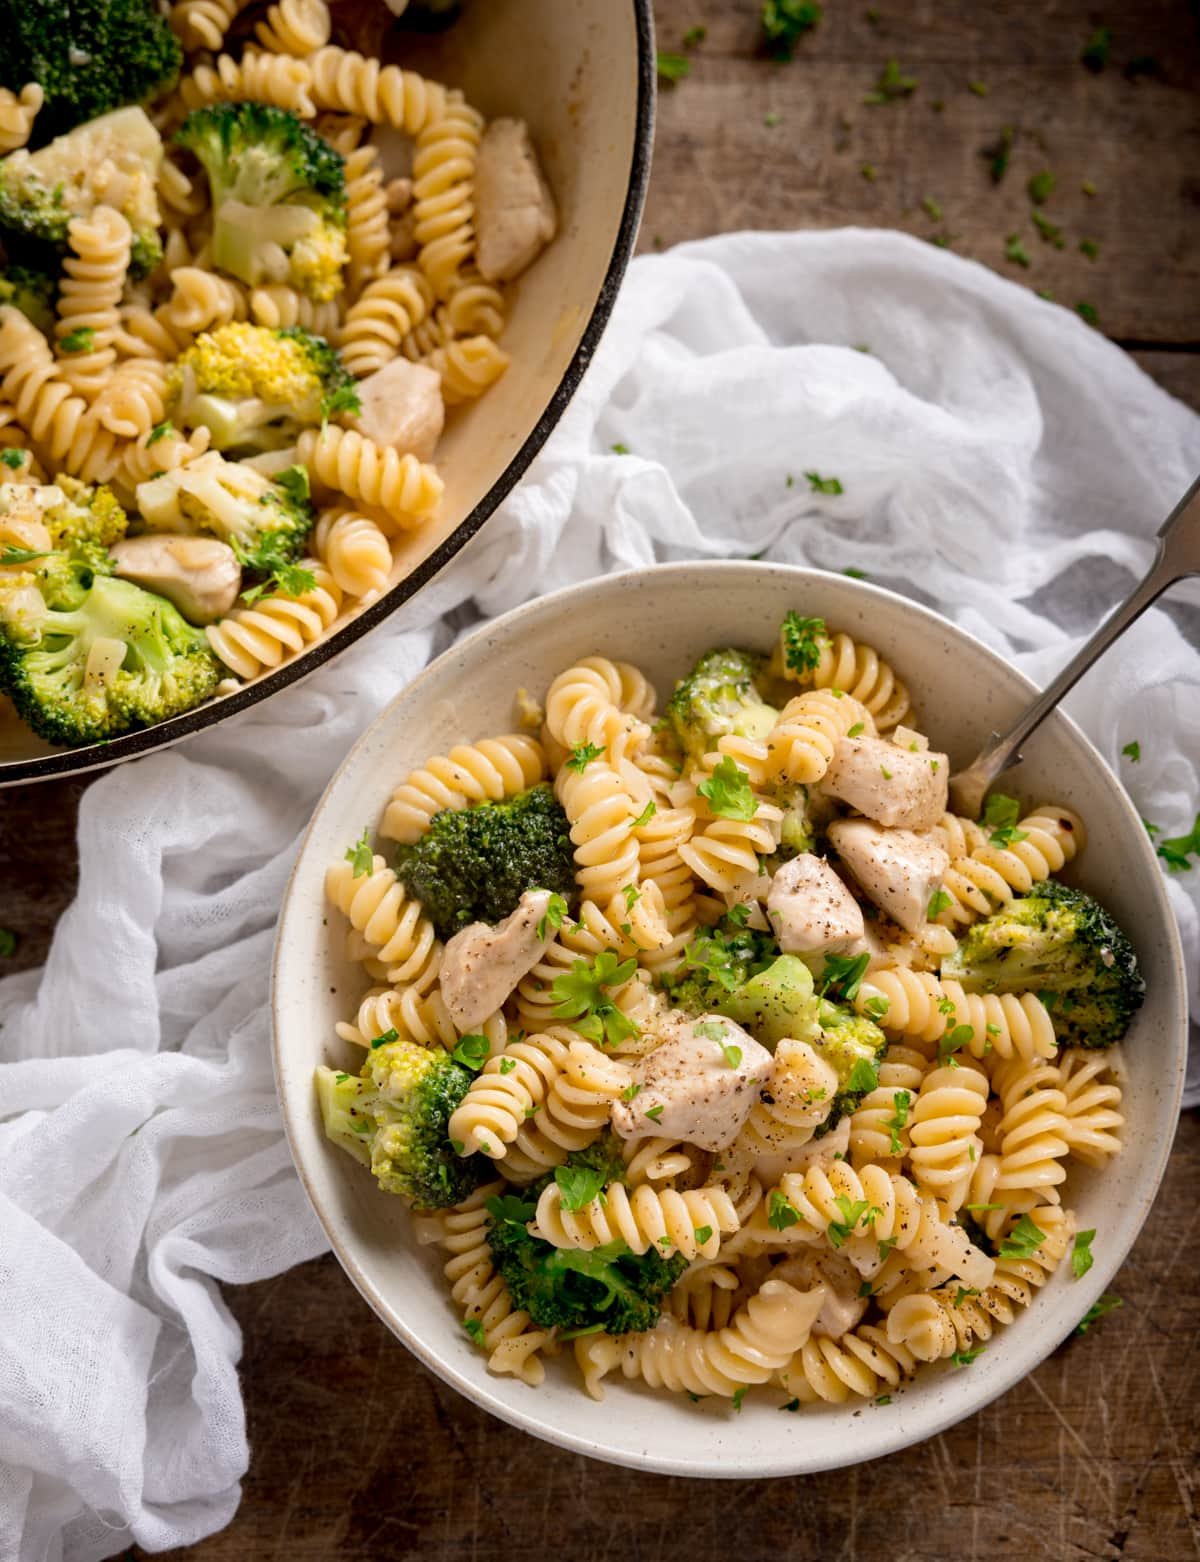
(662, 619)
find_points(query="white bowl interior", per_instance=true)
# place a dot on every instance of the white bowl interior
(662, 619)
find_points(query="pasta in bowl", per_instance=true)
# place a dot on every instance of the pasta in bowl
(296, 310)
(748, 1077)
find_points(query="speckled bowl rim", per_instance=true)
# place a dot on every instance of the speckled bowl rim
(164, 734)
(1024, 1353)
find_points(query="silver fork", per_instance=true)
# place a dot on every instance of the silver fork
(1177, 555)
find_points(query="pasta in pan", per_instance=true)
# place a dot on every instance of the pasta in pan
(752, 1126)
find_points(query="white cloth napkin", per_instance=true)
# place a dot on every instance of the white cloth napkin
(1000, 460)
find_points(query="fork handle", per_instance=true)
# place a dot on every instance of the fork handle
(1177, 555)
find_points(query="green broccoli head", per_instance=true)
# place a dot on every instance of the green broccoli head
(853, 1046)
(41, 192)
(85, 656)
(1063, 945)
(278, 193)
(393, 1117)
(718, 697)
(89, 516)
(88, 56)
(256, 389)
(265, 520)
(778, 1002)
(609, 1287)
(474, 864)
(717, 961)
(33, 293)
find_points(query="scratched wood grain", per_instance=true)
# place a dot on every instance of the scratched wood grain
(360, 1455)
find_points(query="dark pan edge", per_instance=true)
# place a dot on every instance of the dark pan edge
(166, 733)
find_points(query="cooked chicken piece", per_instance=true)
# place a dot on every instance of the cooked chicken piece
(699, 1084)
(200, 575)
(899, 870)
(811, 909)
(902, 788)
(514, 209)
(402, 407)
(482, 964)
(843, 1306)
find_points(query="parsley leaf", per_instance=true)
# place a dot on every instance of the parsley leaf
(345, 399)
(901, 1100)
(703, 1234)
(672, 67)
(728, 791)
(654, 1113)
(8, 944)
(1023, 1240)
(580, 994)
(738, 1395)
(1041, 186)
(474, 1328)
(1176, 850)
(852, 1212)
(802, 640)
(714, 1030)
(781, 1212)
(1097, 1310)
(939, 901)
(13, 458)
(630, 1091)
(876, 1007)
(998, 154)
(78, 341)
(645, 816)
(1081, 1253)
(159, 431)
(1133, 752)
(955, 1040)
(582, 756)
(693, 36)
(1088, 312)
(864, 1076)
(21, 555)
(511, 1208)
(632, 895)
(784, 23)
(1015, 251)
(360, 856)
(507, 1065)
(892, 84)
(472, 1052)
(578, 1185)
(556, 911)
(964, 1358)
(1000, 815)
(386, 1039)
(824, 485)
(842, 976)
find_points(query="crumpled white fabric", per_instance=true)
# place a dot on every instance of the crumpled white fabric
(1000, 460)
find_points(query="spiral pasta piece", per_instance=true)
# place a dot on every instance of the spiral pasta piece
(476, 307)
(381, 317)
(602, 814)
(855, 668)
(356, 551)
(267, 632)
(404, 489)
(878, 1125)
(534, 1002)
(761, 1339)
(89, 297)
(583, 1092)
(296, 27)
(660, 1159)
(588, 704)
(789, 1110)
(487, 771)
(801, 743)
(705, 1296)
(367, 236)
(859, 1365)
(983, 876)
(200, 300)
(468, 367)
(690, 1223)
(58, 422)
(275, 79)
(132, 402)
(1091, 1106)
(935, 1324)
(379, 907)
(277, 305)
(416, 1015)
(202, 24)
(944, 1131)
(509, 1336)
(1033, 1128)
(386, 95)
(18, 110)
(919, 1004)
(443, 193)
(724, 853)
(150, 453)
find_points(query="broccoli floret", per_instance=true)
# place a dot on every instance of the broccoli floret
(609, 1287)
(88, 57)
(88, 664)
(778, 1002)
(87, 517)
(265, 520)
(256, 389)
(1063, 945)
(474, 864)
(717, 961)
(393, 1116)
(852, 1045)
(112, 160)
(717, 697)
(278, 193)
(32, 292)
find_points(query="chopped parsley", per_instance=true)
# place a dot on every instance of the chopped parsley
(619, 449)
(360, 856)
(979, 88)
(474, 1328)
(802, 641)
(78, 341)
(8, 943)
(1051, 233)
(939, 901)
(580, 994)
(999, 153)
(770, 119)
(1176, 850)
(856, 730)
(671, 68)
(781, 1212)
(955, 1040)
(784, 23)
(1023, 1240)
(870, 173)
(962, 1293)
(1000, 815)
(824, 485)
(728, 791)
(694, 36)
(578, 1185)
(964, 1358)
(738, 1395)
(876, 1007)
(1041, 186)
(931, 206)
(892, 84)
(842, 976)
(1098, 1310)
(852, 1211)
(507, 1065)
(1088, 312)
(703, 1234)
(885, 772)
(713, 1030)
(901, 1101)
(13, 458)
(645, 816)
(1090, 248)
(582, 756)
(1015, 251)
(630, 1091)
(386, 1039)
(654, 1113)
(1081, 1253)
(864, 1076)
(632, 895)
(555, 915)
(472, 1052)
(1133, 752)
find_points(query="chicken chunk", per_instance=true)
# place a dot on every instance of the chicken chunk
(699, 1084)
(402, 407)
(903, 788)
(481, 965)
(811, 909)
(514, 209)
(898, 869)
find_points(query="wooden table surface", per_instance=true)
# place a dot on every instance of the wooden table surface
(359, 1453)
